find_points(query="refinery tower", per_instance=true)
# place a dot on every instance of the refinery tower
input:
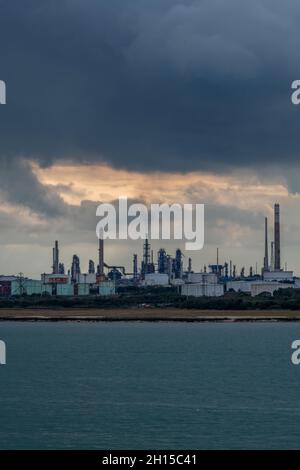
(277, 237)
(275, 246)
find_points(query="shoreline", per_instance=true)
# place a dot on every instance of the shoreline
(148, 315)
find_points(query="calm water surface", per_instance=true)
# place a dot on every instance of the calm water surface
(149, 385)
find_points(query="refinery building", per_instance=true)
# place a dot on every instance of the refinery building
(158, 270)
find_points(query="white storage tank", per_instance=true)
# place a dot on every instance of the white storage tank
(65, 289)
(260, 287)
(198, 289)
(107, 288)
(239, 286)
(83, 289)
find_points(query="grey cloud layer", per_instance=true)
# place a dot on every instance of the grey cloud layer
(151, 84)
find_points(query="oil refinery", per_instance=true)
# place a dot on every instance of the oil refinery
(162, 270)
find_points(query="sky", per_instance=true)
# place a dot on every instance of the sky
(162, 101)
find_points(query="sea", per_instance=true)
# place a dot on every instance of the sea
(140, 385)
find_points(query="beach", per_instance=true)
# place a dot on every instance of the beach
(145, 314)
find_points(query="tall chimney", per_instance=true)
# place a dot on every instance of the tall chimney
(101, 257)
(55, 266)
(277, 237)
(266, 258)
(135, 267)
(272, 256)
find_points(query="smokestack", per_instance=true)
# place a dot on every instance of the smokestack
(91, 267)
(61, 268)
(146, 258)
(266, 258)
(135, 267)
(55, 266)
(277, 237)
(272, 256)
(101, 257)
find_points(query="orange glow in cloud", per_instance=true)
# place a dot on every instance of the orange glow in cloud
(104, 183)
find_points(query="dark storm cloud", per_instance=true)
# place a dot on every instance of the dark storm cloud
(161, 84)
(19, 186)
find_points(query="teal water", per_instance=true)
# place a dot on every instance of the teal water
(149, 385)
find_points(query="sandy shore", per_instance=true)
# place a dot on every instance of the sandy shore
(172, 314)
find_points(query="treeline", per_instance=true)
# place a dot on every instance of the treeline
(125, 298)
(162, 298)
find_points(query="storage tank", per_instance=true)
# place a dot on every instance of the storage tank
(33, 287)
(65, 289)
(15, 288)
(199, 289)
(47, 289)
(107, 288)
(83, 289)
(26, 287)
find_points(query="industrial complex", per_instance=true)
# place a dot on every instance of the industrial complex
(164, 271)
